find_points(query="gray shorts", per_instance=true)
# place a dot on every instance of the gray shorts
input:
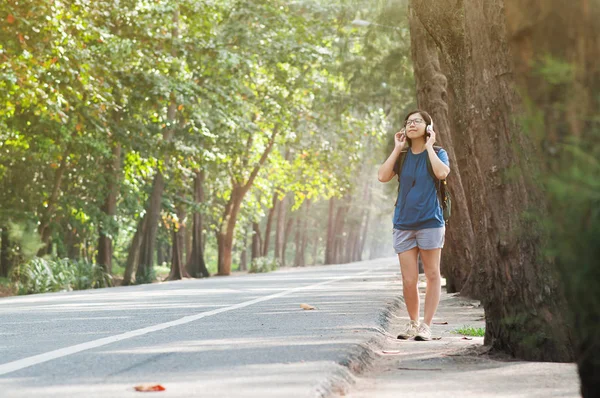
(426, 239)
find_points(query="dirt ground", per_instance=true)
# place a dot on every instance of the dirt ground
(457, 366)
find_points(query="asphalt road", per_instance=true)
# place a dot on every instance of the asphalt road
(238, 336)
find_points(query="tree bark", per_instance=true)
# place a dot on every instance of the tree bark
(161, 257)
(244, 253)
(177, 265)
(557, 71)
(286, 237)
(134, 252)
(297, 242)
(256, 242)
(239, 190)
(279, 231)
(433, 96)
(72, 242)
(525, 312)
(188, 239)
(272, 210)
(44, 228)
(301, 236)
(304, 235)
(105, 244)
(338, 232)
(196, 265)
(148, 244)
(5, 265)
(330, 243)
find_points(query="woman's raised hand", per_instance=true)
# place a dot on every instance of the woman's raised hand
(400, 139)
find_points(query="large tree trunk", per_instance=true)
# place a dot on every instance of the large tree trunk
(105, 249)
(134, 252)
(525, 311)
(225, 234)
(238, 191)
(272, 210)
(148, 243)
(196, 265)
(559, 73)
(148, 246)
(433, 96)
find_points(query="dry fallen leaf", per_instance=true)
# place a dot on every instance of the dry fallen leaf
(440, 323)
(149, 388)
(307, 307)
(467, 338)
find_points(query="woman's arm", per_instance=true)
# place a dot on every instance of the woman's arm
(440, 169)
(386, 170)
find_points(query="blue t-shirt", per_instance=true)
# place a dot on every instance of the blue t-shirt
(418, 205)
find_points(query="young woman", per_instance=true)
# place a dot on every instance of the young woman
(419, 225)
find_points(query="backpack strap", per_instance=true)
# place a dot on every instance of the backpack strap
(437, 150)
(440, 185)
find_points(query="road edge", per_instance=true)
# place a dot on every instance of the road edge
(361, 356)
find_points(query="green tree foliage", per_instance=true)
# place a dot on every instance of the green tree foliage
(285, 98)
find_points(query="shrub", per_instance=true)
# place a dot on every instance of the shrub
(263, 264)
(40, 275)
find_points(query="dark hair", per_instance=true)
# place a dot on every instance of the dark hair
(426, 118)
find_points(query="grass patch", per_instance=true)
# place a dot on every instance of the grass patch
(470, 331)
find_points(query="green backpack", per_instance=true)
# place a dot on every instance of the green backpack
(440, 185)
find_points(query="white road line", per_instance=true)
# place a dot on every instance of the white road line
(10, 367)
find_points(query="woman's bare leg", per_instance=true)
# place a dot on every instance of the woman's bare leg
(431, 264)
(410, 278)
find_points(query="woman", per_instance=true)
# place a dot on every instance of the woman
(419, 225)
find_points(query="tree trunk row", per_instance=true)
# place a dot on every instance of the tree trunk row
(465, 77)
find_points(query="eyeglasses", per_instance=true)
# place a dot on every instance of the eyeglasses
(413, 121)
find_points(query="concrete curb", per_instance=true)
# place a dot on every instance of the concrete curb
(361, 356)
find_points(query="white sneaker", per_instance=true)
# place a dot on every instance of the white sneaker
(410, 330)
(423, 333)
